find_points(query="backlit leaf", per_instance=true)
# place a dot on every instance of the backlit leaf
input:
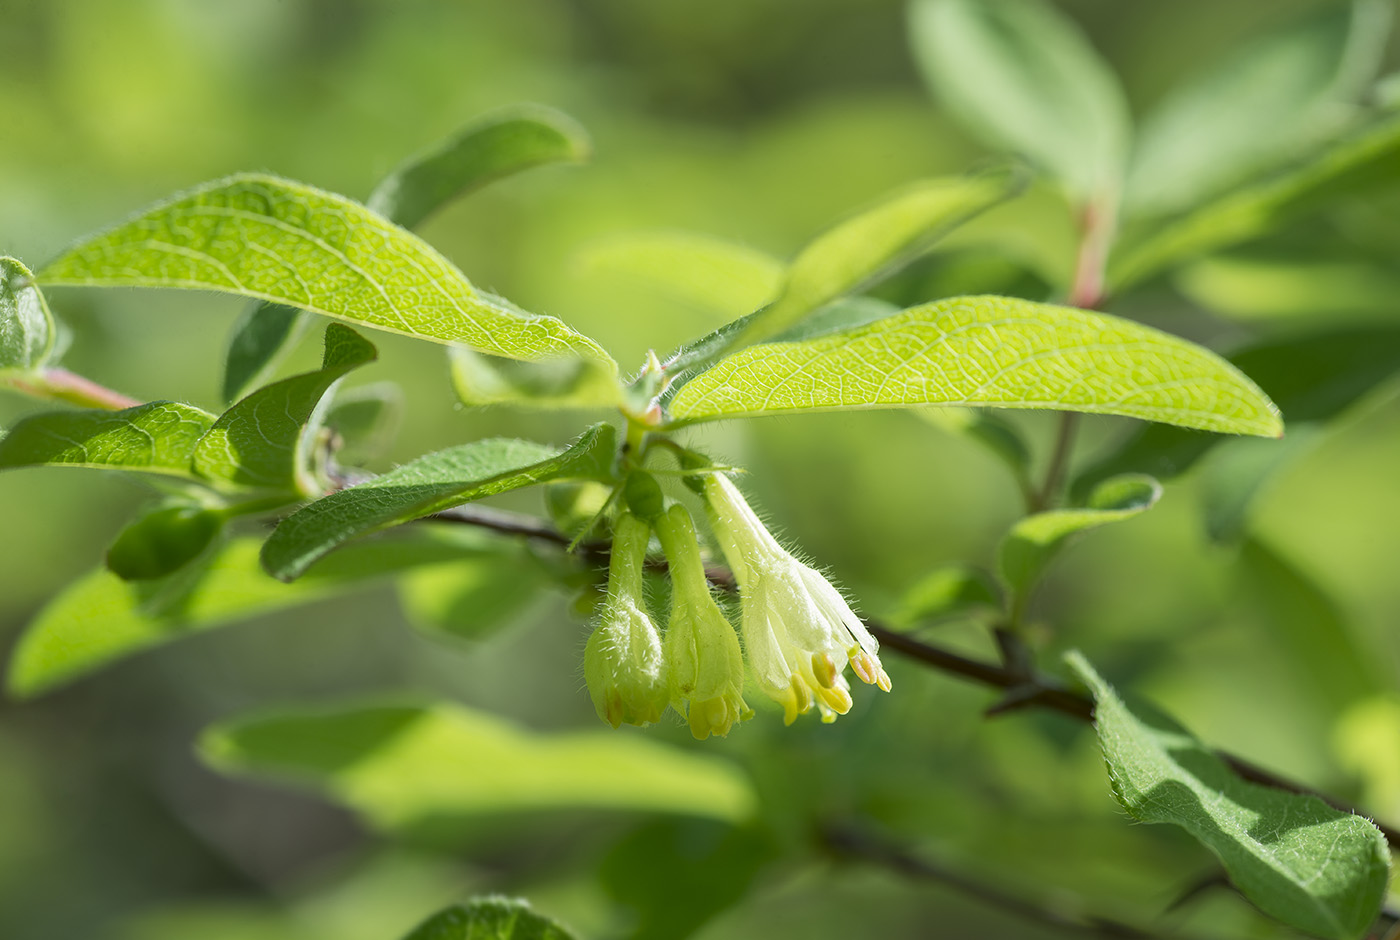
(991, 351)
(264, 441)
(1273, 98)
(700, 271)
(163, 541)
(1299, 860)
(430, 484)
(1313, 378)
(1035, 540)
(1361, 161)
(492, 918)
(410, 767)
(495, 146)
(100, 618)
(480, 380)
(157, 437)
(872, 243)
(1021, 75)
(26, 326)
(288, 243)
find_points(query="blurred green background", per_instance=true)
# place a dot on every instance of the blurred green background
(759, 121)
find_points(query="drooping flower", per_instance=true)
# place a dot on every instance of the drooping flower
(623, 662)
(705, 664)
(799, 631)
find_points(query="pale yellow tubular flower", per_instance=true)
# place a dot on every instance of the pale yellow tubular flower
(703, 658)
(624, 663)
(799, 631)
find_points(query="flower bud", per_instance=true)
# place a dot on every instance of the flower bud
(798, 630)
(623, 662)
(705, 664)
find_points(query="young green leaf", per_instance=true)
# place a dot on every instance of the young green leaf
(990, 351)
(100, 618)
(261, 338)
(264, 441)
(991, 432)
(157, 437)
(1235, 475)
(473, 599)
(1274, 98)
(480, 380)
(365, 420)
(949, 591)
(1361, 161)
(286, 242)
(26, 327)
(1267, 285)
(491, 918)
(412, 768)
(163, 541)
(1313, 378)
(493, 147)
(496, 146)
(699, 271)
(1036, 539)
(430, 484)
(874, 242)
(1315, 868)
(1021, 76)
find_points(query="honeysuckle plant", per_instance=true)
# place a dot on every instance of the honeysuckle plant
(264, 505)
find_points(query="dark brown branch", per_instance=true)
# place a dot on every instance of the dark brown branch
(856, 844)
(1026, 690)
(1049, 694)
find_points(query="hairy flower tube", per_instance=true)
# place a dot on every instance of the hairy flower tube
(703, 658)
(799, 631)
(623, 662)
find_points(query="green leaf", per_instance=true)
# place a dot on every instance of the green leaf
(365, 419)
(285, 242)
(264, 441)
(100, 618)
(699, 271)
(163, 541)
(490, 918)
(480, 380)
(872, 243)
(261, 338)
(949, 591)
(1313, 378)
(1022, 76)
(1299, 860)
(493, 147)
(989, 351)
(1361, 161)
(1294, 613)
(496, 146)
(474, 598)
(1269, 286)
(1236, 474)
(996, 435)
(676, 874)
(415, 768)
(430, 484)
(1273, 98)
(1036, 539)
(27, 329)
(157, 437)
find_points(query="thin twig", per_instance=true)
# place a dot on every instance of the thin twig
(1049, 490)
(857, 844)
(1030, 690)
